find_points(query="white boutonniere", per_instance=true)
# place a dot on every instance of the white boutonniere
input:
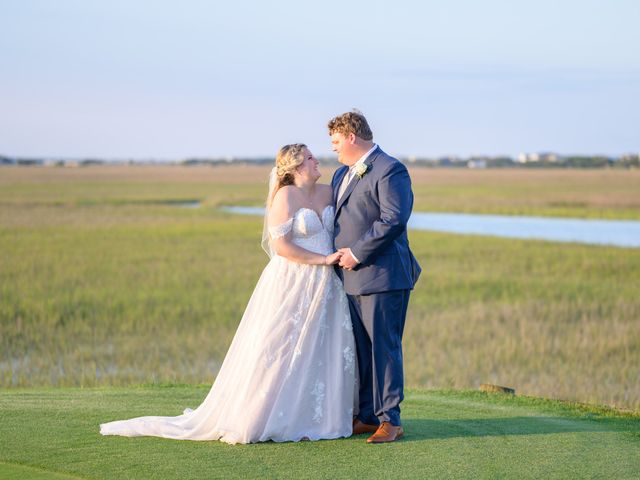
(361, 169)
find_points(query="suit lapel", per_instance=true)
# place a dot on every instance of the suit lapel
(337, 183)
(354, 181)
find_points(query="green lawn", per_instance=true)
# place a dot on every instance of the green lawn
(450, 434)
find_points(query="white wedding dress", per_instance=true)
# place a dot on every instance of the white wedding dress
(290, 370)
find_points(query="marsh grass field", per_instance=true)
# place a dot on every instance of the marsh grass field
(105, 280)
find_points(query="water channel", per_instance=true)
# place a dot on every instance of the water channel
(619, 233)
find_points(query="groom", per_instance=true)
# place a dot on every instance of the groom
(373, 198)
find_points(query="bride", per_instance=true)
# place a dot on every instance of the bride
(289, 374)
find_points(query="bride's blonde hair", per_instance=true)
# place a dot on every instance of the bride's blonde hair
(288, 159)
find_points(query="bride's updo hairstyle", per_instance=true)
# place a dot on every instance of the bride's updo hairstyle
(288, 159)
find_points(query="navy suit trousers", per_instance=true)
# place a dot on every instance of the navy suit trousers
(381, 317)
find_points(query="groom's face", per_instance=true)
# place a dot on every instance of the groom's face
(344, 147)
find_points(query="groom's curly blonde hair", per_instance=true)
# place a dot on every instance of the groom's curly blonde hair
(351, 122)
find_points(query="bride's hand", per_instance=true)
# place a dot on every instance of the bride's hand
(333, 258)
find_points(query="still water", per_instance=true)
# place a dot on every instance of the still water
(619, 233)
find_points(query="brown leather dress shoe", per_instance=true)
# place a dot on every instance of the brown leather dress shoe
(386, 433)
(360, 427)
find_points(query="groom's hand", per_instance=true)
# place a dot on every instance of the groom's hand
(347, 261)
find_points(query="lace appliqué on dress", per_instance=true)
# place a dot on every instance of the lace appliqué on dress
(318, 393)
(328, 219)
(281, 230)
(349, 357)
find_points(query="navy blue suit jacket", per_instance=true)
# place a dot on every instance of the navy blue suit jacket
(371, 219)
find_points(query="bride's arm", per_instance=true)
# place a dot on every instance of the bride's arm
(285, 248)
(280, 222)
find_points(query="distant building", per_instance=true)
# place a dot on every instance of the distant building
(545, 157)
(548, 157)
(477, 164)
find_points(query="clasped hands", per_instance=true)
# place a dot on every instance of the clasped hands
(343, 258)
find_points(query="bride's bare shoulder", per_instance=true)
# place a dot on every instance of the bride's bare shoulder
(286, 194)
(285, 201)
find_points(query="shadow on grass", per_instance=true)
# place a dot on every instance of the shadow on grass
(423, 429)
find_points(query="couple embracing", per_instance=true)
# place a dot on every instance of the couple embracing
(318, 352)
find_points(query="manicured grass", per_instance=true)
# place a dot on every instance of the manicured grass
(450, 434)
(103, 281)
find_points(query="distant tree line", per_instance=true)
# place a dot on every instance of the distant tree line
(546, 160)
(549, 161)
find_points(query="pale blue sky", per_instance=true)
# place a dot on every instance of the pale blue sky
(139, 79)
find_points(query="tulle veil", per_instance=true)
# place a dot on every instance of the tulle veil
(266, 239)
